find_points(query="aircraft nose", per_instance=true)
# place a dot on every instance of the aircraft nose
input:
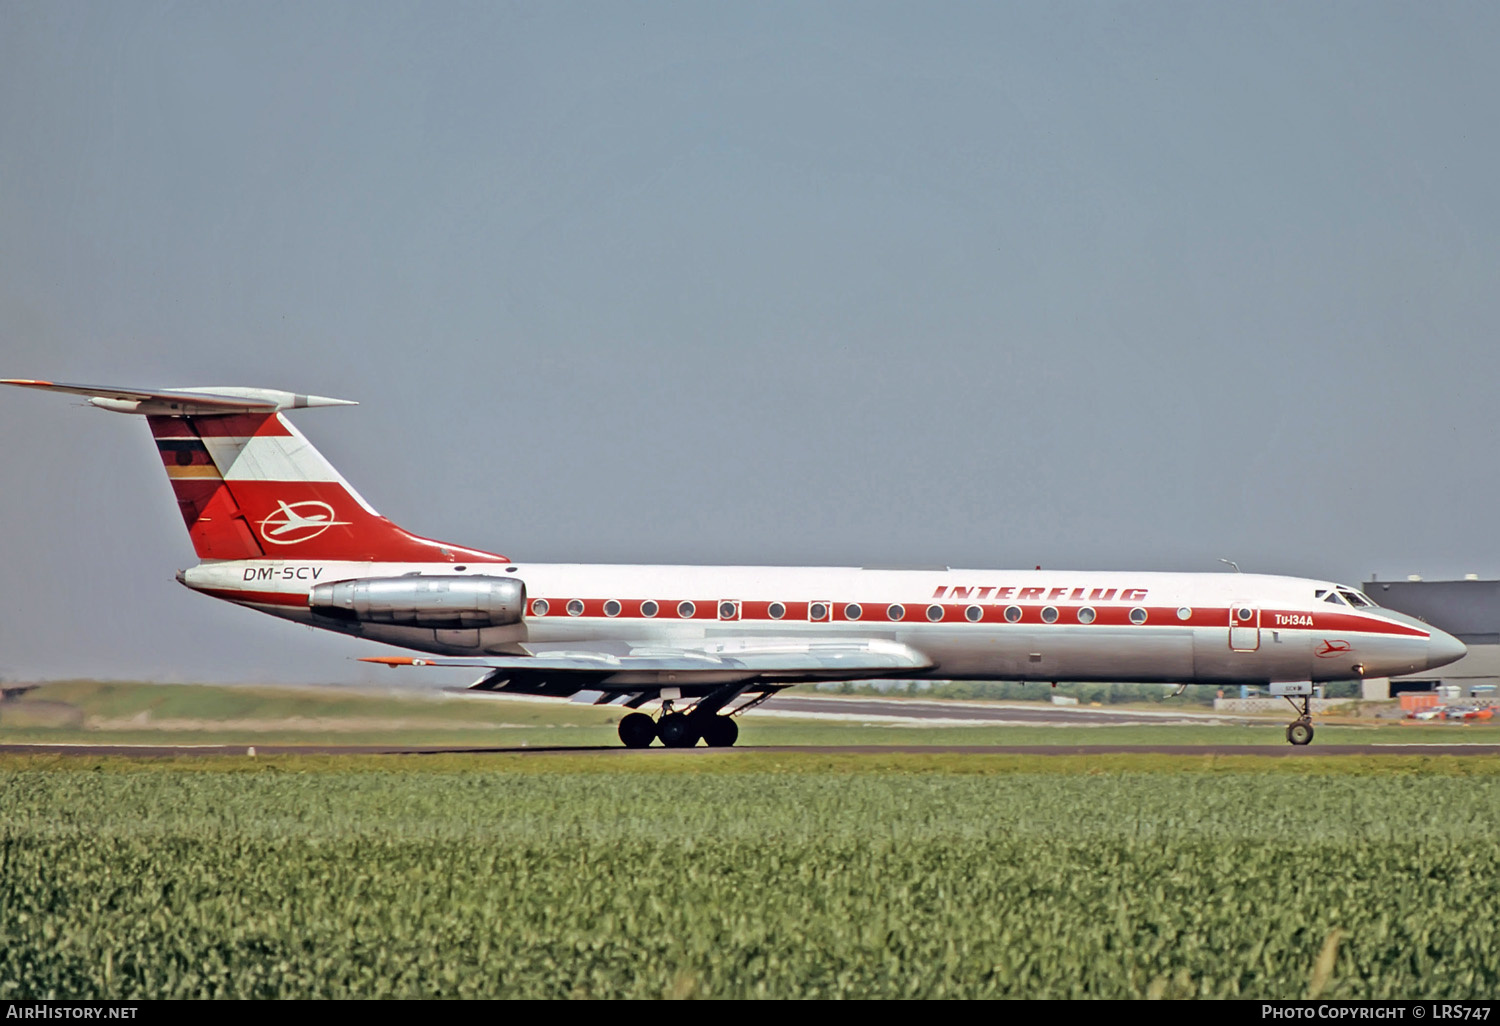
(1443, 648)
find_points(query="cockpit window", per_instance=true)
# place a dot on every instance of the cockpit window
(1357, 599)
(1330, 596)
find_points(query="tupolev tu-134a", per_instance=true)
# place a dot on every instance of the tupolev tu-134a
(278, 529)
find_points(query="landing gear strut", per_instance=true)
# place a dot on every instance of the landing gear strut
(1300, 731)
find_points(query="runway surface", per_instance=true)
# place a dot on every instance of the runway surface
(966, 712)
(1317, 751)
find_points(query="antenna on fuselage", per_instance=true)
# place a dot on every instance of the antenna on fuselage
(1233, 564)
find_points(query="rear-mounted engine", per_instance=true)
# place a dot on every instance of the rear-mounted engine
(423, 601)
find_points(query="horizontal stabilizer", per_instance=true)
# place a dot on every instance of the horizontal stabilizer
(184, 402)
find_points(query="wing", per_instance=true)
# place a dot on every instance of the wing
(695, 668)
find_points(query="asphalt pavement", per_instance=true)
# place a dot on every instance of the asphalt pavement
(947, 711)
(1314, 750)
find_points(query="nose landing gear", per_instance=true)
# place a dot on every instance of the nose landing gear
(1300, 730)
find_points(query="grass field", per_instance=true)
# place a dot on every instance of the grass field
(750, 874)
(125, 712)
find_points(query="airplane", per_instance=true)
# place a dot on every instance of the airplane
(291, 520)
(277, 529)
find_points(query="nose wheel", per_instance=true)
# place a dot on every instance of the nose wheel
(1300, 730)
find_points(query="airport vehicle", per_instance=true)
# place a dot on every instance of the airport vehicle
(276, 528)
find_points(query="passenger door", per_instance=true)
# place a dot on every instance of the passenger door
(1244, 628)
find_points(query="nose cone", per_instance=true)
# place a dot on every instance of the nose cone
(1443, 648)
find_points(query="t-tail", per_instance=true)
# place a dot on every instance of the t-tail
(250, 486)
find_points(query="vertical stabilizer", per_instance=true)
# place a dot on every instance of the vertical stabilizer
(277, 497)
(216, 524)
(250, 486)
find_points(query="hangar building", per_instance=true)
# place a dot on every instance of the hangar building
(1467, 609)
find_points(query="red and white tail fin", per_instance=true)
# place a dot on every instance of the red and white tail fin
(250, 486)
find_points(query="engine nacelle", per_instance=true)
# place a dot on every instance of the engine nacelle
(423, 601)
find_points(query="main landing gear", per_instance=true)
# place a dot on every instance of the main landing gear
(682, 729)
(679, 730)
(1300, 730)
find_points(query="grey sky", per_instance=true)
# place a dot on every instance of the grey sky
(1087, 285)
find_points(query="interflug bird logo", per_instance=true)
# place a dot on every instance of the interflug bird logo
(1333, 648)
(298, 522)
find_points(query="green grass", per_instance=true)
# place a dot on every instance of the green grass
(144, 713)
(744, 874)
(156, 703)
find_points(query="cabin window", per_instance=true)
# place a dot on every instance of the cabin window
(1137, 615)
(817, 611)
(974, 614)
(686, 609)
(575, 607)
(1085, 615)
(1184, 613)
(1243, 614)
(934, 612)
(1049, 615)
(852, 611)
(776, 610)
(896, 612)
(728, 610)
(539, 607)
(1012, 614)
(612, 608)
(649, 608)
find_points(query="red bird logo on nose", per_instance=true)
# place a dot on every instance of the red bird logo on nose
(1332, 648)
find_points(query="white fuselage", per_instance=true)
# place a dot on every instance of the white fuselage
(973, 624)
